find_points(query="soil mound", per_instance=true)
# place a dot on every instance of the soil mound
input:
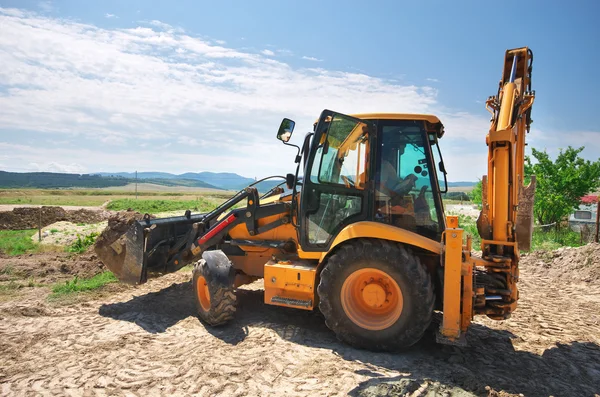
(29, 218)
(50, 266)
(567, 263)
(118, 224)
(66, 233)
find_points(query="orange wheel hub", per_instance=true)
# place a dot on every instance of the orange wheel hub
(372, 299)
(203, 293)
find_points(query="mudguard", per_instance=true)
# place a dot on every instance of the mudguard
(220, 269)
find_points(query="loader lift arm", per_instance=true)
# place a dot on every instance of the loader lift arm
(166, 245)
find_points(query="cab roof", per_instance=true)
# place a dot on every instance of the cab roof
(397, 116)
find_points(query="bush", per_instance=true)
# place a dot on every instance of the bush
(81, 244)
(476, 193)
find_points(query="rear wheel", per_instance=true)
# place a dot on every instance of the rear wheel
(376, 295)
(215, 299)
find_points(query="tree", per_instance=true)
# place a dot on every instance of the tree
(560, 184)
(475, 194)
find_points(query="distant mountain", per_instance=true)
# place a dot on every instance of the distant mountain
(50, 180)
(461, 184)
(223, 180)
(46, 180)
(141, 175)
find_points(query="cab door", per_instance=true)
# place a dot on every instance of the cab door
(337, 188)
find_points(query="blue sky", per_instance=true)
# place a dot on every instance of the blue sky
(201, 86)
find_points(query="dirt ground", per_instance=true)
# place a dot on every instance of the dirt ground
(146, 341)
(20, 218)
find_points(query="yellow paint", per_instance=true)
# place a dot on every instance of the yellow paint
(500, 193)
(309, 255)
(397, 116)
(451, 325)
(291, 280)
(467, 296)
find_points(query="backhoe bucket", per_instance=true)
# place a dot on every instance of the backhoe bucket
(524, 227)
(124, 255)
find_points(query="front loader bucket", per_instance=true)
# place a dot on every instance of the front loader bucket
(524, 227)
(136, 247)
(123, 253)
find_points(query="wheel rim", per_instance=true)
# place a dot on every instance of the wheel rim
(371, 299)
(203, 293)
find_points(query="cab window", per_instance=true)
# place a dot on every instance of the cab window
(403, 185)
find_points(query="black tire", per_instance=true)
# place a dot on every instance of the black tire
(401, 265)
(221, 307)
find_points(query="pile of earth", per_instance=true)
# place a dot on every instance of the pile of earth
(29, 218)
(580, 264)
(66, 233)
(118, 224)
(50, 266)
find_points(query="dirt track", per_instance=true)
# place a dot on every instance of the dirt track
(146, 341)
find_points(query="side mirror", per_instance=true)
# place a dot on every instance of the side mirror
(285, 130)
(290, 179)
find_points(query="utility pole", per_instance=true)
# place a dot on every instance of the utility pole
(136, 184)
(597, 219)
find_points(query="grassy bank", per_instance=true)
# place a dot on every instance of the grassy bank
(201, 204)
(79, 285)
(96, 197)
(542, 240)
(17, 242)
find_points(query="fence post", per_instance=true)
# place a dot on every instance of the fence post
(40, 226)
(597, 220)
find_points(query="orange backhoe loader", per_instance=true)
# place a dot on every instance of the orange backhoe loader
(362, 234)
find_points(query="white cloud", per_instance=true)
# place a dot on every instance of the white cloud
(267, 53)
(431, 79)
(53, 166)
(110, 16)
(154, 97)
(312, 59)
(46, 6)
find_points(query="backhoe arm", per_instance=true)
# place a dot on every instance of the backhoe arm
(488, 285)
(507, 203)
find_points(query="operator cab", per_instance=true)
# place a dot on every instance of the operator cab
(371, 167)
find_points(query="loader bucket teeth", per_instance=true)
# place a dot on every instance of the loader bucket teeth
(524, 227)
(125, 255)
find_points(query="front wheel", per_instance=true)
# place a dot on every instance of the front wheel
(376, 295)
(215, 297)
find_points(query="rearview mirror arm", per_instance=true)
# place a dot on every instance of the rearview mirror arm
(297, 160)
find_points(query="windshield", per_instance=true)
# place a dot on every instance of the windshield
(342, 156)
(404, 179)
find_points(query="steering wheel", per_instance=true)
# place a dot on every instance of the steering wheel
(404, 187)
(347, 181)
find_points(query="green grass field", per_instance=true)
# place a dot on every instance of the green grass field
(78, 285)
(201, 204)
(96, 197)
(17, 242)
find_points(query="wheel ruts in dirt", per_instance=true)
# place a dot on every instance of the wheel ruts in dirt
(376, 295)
(213, 280)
